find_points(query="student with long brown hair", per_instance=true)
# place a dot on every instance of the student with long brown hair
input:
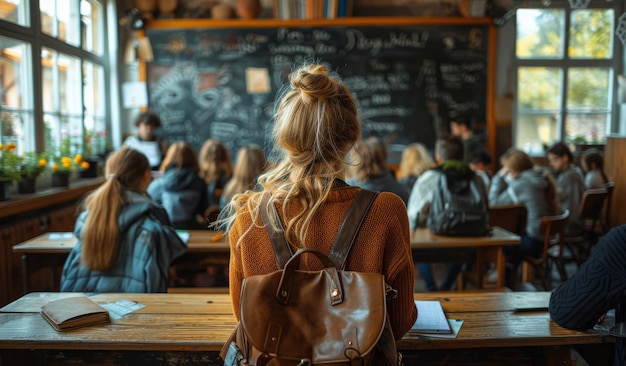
(216, 168)
(180, 190)
(316, 124)
(125, 240)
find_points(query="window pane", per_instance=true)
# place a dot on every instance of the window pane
(62, 96)
(589, 126)
(534, 131)
(95, 121)
(540, 34)
(92, 26)
(60, 19)
(15, 11)
(588, 88)
(16, 117)
(591, 34)
(539, 88)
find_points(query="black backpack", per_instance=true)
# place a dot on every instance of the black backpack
(460, 206)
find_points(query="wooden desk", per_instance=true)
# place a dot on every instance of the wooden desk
(444, 248)
(41, 252)
(194, 327)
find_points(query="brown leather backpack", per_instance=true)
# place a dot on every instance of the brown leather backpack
(329, 317)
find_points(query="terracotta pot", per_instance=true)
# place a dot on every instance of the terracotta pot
(248, 9)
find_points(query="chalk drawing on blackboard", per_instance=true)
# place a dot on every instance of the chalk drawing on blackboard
(258, 80)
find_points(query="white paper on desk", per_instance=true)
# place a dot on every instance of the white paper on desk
(431, 318)
(183, 235)
(122, 307)
(455, 326)
(60, 236)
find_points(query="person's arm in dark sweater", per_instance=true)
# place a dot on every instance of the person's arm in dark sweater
(596, 287)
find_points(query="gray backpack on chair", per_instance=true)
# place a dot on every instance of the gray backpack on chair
(460, 206)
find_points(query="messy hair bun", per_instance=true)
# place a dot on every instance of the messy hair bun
(317, 118)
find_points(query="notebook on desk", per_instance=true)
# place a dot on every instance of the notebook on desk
(431, 318)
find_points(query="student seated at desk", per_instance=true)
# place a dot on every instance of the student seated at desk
(596, 287)
(125, 240)
(316, 125)
(180, 190)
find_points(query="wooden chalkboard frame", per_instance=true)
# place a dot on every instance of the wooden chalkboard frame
(490, 127)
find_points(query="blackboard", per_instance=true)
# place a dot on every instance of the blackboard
(408, 79)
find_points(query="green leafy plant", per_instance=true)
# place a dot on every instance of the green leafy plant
(9, 163)
(33, 164)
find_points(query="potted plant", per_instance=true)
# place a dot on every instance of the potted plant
(63, 166)
(9, 169)
(33, 164)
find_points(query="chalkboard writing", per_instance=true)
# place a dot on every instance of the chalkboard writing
(408, 80)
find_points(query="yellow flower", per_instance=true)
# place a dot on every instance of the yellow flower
(1, 147)
(84, 165)
(78, 158)
(43, 163)
(54, 167)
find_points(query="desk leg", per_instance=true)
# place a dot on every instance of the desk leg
(25, 273)
(500, 266)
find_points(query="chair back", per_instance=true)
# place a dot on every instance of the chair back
(509, 217)
(553, 229)
(607, 207)
(591, 205)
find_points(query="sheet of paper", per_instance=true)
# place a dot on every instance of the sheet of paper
(122, 307)
(430, 318)
(455, 325)
(60, 236)
(183, 235)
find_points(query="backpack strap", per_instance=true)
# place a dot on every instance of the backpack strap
(282, 250)
(344, 240)
(350, 227)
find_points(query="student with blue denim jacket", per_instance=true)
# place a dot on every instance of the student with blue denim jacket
(125, 240)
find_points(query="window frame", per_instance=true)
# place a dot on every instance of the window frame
(565, 64)
(34, 35)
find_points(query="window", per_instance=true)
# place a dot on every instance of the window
(66, 113)
(565, 62)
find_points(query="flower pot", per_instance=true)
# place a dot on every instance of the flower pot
(61, 180)
(92, 171)
(27, 185)
(4, 189)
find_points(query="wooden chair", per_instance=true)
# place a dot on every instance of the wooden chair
(509, 217)
(591, 213)
(606, 223)
(553, 229)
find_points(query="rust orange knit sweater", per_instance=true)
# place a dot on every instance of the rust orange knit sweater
(382, 246)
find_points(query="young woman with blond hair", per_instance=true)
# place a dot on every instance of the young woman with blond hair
(180, 190)
(316, 124)
(415, 160)
(125, 240)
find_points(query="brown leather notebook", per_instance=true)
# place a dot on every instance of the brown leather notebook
(74, 312)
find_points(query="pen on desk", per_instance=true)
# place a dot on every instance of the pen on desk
(217, 237)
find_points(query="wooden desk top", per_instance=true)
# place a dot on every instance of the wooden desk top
(203, 322)
(203, 241)
(199, 241)
(422, 238)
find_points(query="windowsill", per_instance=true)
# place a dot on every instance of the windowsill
(19, 204)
